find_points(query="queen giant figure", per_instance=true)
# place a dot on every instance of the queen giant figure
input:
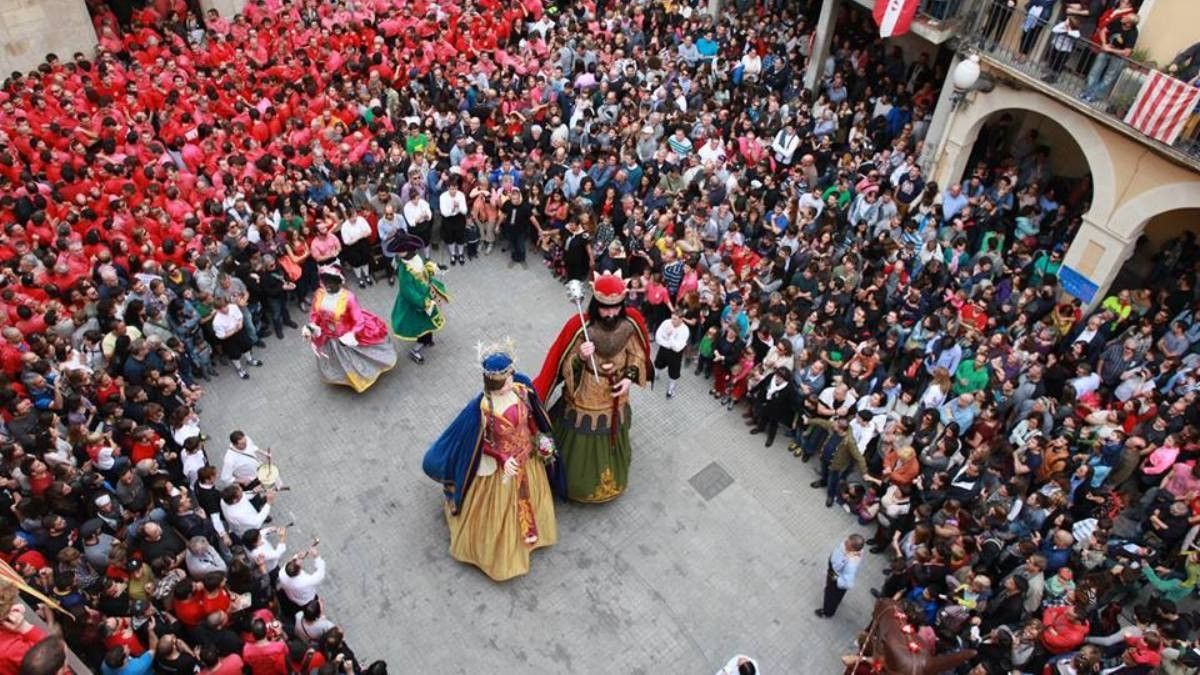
(491, 464)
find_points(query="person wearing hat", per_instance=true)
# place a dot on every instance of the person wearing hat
(96, 542)
(351, 344)
(416, 314)
(597, 360)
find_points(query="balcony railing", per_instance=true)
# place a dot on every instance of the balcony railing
(1076, 67)
(939, 12)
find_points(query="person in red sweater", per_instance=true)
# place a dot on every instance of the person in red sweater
(264, 656)
(17, 635)
(1064, 629)
(187, 606)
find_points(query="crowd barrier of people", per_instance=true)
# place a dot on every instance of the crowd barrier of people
(1029, 466)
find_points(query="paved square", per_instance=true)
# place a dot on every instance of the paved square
(659, 581)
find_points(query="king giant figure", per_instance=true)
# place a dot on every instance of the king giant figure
(597, 360)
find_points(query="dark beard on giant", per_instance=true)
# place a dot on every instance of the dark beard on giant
(609, 334)
(606, 323)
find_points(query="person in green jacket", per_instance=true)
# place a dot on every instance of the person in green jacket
(838, 452)
(972, 375)
(704, 352)
(416, 314)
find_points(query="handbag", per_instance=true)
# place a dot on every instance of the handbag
(290, 269)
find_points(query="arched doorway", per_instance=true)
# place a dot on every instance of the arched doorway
(1160, 252)
(1040, 149)
(1060, 124)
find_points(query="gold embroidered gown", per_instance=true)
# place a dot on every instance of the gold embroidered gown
(504, 518)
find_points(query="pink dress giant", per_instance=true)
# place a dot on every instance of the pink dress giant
(369, 353)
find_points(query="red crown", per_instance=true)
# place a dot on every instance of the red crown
(608, 288)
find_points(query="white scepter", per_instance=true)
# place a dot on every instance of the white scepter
(575, 293)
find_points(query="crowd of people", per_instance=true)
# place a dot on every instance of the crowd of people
(1030, 467)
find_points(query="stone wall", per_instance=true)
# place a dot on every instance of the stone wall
(29, 29)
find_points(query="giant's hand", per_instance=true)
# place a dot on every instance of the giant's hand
(511, 466)
(622, 388)
(349, 339)
(587, 349)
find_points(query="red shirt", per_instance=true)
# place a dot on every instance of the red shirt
(218, 602)
(13, 647)
(266, 658)
(229, 665)
(190, 612)
(126, 638)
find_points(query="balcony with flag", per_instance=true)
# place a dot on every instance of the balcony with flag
(935, 21)
(1078, 63)
(1101, 96)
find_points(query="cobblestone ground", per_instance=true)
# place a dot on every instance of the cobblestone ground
(660, 581)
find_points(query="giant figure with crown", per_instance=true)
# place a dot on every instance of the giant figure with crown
(596, 359)
(490, 462)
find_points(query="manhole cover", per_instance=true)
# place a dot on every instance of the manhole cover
(711, 480)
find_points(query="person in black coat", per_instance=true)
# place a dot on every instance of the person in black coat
(274, 288)
(577, 252)
(1007, 607)
(773, 404)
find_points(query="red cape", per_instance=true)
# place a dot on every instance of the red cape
(549, 376)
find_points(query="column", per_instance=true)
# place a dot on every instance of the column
(935, 136)
(714, 9)
(30, 29)
(1098, 255)
(820, 48)
(950, 160)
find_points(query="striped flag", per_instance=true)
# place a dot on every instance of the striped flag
(1162, 107)
(894, 16)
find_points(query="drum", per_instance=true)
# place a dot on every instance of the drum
(268, 475)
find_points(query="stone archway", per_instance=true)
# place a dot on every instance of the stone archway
(1102, 247)
(1132, 215)
(970, 118)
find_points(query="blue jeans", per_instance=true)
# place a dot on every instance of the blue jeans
(277, 311)
(1103, 75)
(810, 440)
(832, 478)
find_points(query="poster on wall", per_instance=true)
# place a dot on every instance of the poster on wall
(1076, 285)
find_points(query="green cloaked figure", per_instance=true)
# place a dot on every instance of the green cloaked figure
(416, 314)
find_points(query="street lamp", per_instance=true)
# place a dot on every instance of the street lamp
(966, 73)
(966, 78)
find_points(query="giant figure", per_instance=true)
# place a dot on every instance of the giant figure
(596, 360)
(490, 463)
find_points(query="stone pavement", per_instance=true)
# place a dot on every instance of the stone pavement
(662, 580)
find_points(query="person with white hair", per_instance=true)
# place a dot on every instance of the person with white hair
(201, 558)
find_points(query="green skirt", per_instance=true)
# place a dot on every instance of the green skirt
(597, 462)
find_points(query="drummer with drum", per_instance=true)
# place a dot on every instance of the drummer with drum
(248, 467)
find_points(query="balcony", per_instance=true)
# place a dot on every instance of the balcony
(1024, 48)
(936, 21)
